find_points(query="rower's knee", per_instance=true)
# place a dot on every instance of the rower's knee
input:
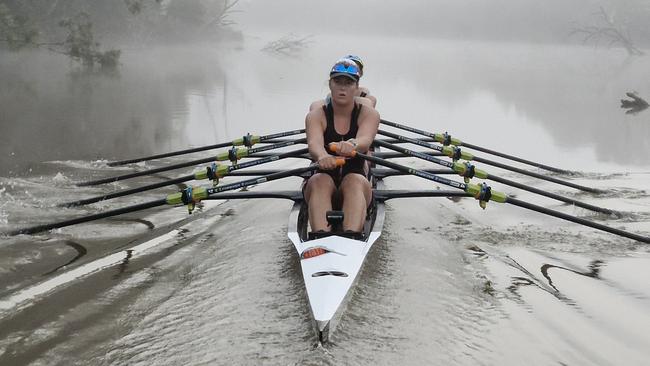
(353, 184)
(320, 182)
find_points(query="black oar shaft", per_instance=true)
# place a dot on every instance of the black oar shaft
(127, 192)
(509, 200)
(203, 148)
(537, 175)
(551, 195)
(383, 173)
(232, 171)
(170, 154)
(210, 192)
(517, 159)
(260, 180)
(499, 179)
(79, 220)
(493, 163)
(381, 154)
(578, 220)
(408, 152)
(385, 195)
(184, 165)
(479, 148)
(417, 172)
(145, 172)
(397, 141)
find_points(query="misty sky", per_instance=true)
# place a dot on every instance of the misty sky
(527, 20)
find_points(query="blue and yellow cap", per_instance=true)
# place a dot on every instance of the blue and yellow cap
(346, 67)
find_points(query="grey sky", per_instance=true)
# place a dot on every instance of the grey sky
(527, 20)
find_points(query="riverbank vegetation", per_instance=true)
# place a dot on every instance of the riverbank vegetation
(90, 31)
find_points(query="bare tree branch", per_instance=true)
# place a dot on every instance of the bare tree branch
(222, 18)
(288, 44)
(608, 31)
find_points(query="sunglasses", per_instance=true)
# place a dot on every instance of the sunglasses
(348, 69)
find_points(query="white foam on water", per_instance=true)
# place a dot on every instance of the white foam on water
(60, 179)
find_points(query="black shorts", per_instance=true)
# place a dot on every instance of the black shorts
(338, 174)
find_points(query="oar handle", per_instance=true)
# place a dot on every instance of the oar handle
(334, 147)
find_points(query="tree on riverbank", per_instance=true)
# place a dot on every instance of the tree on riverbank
(20, 29)
(609, 30)
(72, 27)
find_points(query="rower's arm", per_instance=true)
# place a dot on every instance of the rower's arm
(366, 97)
(368, 101)
(368, 126)
(316, 104)
(315, 135)
(372, 99)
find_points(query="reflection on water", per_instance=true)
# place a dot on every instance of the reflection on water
(594, 270)
(500, 95)
(53, 112)
(607, 304)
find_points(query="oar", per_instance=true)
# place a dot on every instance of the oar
(383, 173)
(469, 171)
(381, 154)
(203, 174)
(456, 153)
(213, 172)
(233, 155)
(189, 196)
(483, 193)
(446, 139)
(247, 140)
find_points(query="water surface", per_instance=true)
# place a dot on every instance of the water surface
(448, 283)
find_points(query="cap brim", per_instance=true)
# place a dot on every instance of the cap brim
(336, 74)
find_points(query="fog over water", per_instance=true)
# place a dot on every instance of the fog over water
(447, 282)
(522, 20)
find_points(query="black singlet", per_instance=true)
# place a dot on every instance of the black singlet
(354, 165)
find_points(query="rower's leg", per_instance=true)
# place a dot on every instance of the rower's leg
(357, 193)
(318, 194)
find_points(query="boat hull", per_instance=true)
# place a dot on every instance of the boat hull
(331, 265)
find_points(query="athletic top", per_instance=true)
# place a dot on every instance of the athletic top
(330, 132)
(353, 165)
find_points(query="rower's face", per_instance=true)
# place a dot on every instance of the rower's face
(342, 87)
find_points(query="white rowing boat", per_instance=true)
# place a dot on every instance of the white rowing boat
(331, 264)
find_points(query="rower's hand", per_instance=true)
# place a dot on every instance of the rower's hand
(329, 162)
(345, 148)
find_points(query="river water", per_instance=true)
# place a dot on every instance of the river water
(447, 283)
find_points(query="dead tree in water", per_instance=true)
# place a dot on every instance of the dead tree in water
(287, 45)
(634, 106)
(222, 16)
(608, 31)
